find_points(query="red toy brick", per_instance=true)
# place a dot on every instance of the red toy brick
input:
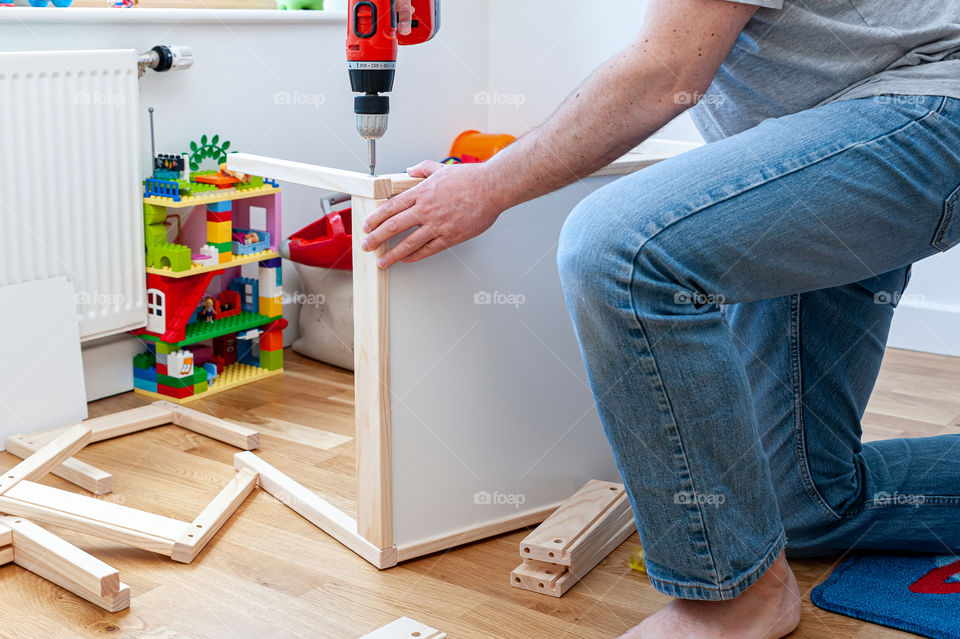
(170, 391)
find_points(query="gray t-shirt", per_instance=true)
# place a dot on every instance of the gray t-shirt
(797, 54)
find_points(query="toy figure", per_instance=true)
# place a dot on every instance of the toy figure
(208, 313)
(243, 178)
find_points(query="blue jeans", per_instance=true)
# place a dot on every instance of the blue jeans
(732, 306)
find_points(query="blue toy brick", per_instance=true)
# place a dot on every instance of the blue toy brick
(145, 374)
(220, 207)
(211, 369)
(143, 384)
(238, 284)
(273, 262)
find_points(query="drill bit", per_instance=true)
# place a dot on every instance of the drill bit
(372, 149)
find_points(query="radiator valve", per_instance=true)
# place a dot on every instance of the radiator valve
(165, 58)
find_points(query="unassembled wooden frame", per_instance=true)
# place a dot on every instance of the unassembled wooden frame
(574, 539)
(24, 502)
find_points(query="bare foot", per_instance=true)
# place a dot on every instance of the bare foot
(768, 609)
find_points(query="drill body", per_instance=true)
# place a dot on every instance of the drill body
(372, 45)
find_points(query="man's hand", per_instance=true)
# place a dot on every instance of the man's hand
(454, 205)
(405, 11)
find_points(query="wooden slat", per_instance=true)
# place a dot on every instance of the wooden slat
(93, 516)
(37, 549)
(6, 555)
(371, 335)
(321, 177)
(315, 509)
(115, 425)
(552, 540)
(48, 457)
(208, 522)
(6, 535)
(538, 576)
(214, 427)
(90, 478)
(405, 628)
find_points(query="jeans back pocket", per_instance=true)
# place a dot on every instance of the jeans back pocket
(948, 233)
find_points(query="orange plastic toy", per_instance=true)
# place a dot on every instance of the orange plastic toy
(482, 146)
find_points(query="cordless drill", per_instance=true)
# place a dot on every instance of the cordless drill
(372, 43)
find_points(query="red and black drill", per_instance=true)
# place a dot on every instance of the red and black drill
(372, 43)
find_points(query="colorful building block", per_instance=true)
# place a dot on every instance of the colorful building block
(220, 207)
(271, 306)
(146, 374)
(273, 262)
(218, 232)
(174, 382)
(164, 349)
(200, 388)
(170, 391)
(272, 341)
(165, 255)
(145, 384)
(271, 360)
(219, 217)
(180, 364)
(153, 214)
(144, 360)
(249, 290)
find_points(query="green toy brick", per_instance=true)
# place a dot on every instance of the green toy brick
(271, 360)
(175, 382)
(166, 349)
(144, 360)
(222, 247)
(175, 256)
(200, 388)
(154, 234)
(153, 214)
(199, 375)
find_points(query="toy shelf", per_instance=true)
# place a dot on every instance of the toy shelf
(231, 377)
(200, 331)
(210, 197)
(237, 260)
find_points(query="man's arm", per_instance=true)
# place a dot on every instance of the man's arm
(631, 96)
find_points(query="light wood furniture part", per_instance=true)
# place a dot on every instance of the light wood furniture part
(574, 539)
(405, 628)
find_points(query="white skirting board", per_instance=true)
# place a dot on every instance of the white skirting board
(41, 375)
(107, 365)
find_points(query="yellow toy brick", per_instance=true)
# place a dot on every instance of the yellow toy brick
(226, 256)
(218, 232)
(271, 306)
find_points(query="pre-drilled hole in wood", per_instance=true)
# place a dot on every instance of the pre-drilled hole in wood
(414, 634)
(549, 554)
(558, 541)
(526, 549)
(613, 488)
(541, 585)
(549, 572)
(516, 579)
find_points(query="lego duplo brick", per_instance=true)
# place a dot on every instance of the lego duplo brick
(171, 391)
(153, 214)
(145, 384)
(213, 216)
(200, 331)
(273, 262)
(154, 234)
(271, 360)
(272, 341)
(180, 364)
(218, 232)
(220, 207)
(161, 368)
(144, 360)
(147, 374)
(271, 306)
(175, 382)
(173, 256)
(200, 388)
(163, 348)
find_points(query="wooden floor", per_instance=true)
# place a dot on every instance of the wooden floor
(269, 573)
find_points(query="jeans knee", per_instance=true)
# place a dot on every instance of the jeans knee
(594, 249)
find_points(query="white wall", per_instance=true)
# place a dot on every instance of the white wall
(541, 51)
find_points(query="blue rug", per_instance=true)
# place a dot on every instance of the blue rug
(915, 593)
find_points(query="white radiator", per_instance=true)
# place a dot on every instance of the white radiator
(70, 183)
